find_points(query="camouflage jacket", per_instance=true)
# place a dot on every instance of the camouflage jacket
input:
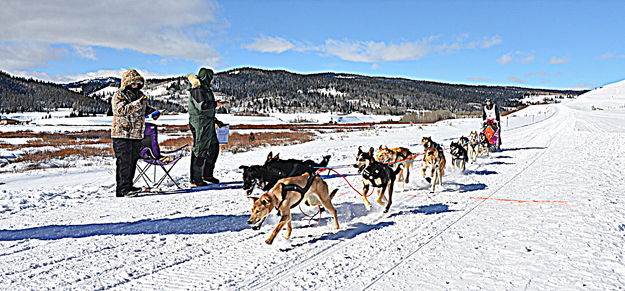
(129, 108)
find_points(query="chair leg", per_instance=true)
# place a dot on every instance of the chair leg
(167, 175)
(143, 174)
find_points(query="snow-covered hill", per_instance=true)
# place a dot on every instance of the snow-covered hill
(543, 214)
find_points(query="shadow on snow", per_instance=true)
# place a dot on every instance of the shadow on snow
(358, 228)
(183, 225)
(437, 208)
(521, 149)
(462, 188)
(481, 172)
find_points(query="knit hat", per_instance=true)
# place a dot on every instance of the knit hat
(205, 75)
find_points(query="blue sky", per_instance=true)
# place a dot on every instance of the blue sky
(551, 44)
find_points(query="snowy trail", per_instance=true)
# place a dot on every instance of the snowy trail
(68, 232)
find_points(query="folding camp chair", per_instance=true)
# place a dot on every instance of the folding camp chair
(153, 157)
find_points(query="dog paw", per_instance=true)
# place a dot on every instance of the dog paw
(269, 241)
(428, 179)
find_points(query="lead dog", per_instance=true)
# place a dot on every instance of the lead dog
(288, 193)
(377, 175)
(394, 155)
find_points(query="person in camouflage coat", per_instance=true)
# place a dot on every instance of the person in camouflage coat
(202, 122)
(129, 107)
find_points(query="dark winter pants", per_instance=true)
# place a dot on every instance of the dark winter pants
(205, 143)
(127, 155)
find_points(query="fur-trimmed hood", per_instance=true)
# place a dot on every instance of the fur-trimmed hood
(129, 77)
(195, 81)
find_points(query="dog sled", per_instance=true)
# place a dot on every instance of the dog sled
(491, 131)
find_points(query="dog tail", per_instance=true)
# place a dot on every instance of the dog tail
(333, 193)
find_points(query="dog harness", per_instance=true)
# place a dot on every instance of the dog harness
(296, 188)
(373, 171)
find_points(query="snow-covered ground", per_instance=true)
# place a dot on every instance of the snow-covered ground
(60, 122)
(546, 213)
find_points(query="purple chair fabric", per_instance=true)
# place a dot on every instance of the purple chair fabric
(150, 150)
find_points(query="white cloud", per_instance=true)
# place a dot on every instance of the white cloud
(84, 52)
(28, 55)
(610, 56)
(505, 59)
(558, 61)
(169, 29)
(517, 80)
(478, 79)
(495, 40)
(371, 51)
(536, 74)
(268, 44)
(518, 56)
(58, 78)
(527, 58)
(583, 86)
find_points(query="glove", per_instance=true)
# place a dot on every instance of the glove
(156, 115)
(219, 123)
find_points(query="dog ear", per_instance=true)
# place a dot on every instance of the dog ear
(243, 167)
(360, 150)
(371, 150)
(380, 147)
(277, 156)
(270, 156)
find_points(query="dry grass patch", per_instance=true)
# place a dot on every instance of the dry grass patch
(48, 155)
(242, 142)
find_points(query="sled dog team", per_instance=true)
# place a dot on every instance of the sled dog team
(287, 183)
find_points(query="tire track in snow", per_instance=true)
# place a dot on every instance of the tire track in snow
(283, 270)
(499, 188)
(287, 269)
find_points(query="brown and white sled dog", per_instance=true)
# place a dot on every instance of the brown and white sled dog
(434, 160)
(473, 146)
(394, 155)
(288, 193)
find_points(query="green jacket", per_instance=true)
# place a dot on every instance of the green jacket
(202, 116)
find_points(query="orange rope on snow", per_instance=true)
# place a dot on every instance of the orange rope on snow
(520, 201)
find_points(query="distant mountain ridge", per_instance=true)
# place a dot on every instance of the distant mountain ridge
(266, 91)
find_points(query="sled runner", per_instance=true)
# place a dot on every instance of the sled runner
(491, 131)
